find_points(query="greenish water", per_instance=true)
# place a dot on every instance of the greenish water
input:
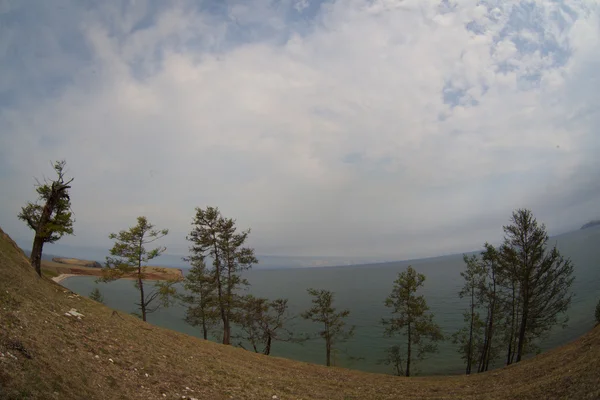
(362, 289)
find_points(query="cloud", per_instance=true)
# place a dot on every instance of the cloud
(360, 128)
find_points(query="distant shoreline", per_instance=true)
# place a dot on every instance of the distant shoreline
(63, 271)
(58, 279)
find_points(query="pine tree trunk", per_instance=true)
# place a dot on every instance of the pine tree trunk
(268, 346)
(512, 329)
(226, 331)
(204, 328)
(408, 351)
(490, 330)
(470, 347)
(40, 235)
(523, 328)
(328, 351)
(142, 302)
(36, 254)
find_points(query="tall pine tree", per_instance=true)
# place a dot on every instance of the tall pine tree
(215, 237)
(410, 318)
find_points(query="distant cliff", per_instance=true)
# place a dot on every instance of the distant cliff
(591, 223)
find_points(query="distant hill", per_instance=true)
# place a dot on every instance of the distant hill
(591, 224)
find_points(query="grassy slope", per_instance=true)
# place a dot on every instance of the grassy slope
(63, 362)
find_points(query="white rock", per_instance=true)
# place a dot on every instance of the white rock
(111, 360)
(96, 356)
(147, 375)
(164, 395)
(274, 397)
(73, 312)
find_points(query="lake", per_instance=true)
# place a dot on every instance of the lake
(362, 289)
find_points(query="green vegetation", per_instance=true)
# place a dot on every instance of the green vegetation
(478, 342)
(50, 217)
(129, 256)
(49, 273)
(542, 279)
(521, 289)
(96, 295)
(215, 236)
(200, 297)
(411, 319)
(262, 322)
(598, 313)
(470, 338)
(334, 327)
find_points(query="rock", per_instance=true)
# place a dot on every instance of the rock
(111, 360)
(73, 313)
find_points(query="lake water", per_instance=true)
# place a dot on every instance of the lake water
(363, 289)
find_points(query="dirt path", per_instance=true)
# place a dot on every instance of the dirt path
(62, 277)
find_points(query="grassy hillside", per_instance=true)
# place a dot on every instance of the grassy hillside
(45, 354)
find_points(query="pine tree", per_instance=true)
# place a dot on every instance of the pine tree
(489, 297)
(97, 296)
(411, 318)
(129, 257)
(334, 327)
(51, 217)
(215, 237)
(542, 277)
(262, 322)
(471, 338)
(393, 357)
(200, 298)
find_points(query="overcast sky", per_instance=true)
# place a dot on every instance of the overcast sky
(385, 128)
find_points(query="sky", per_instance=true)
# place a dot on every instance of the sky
(355, 128)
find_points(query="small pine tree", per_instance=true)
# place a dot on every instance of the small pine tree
(393, 357)
(97, 296)
(130, 258)
(262, 322)
(200, 298)
(333, 322)
(411, 318)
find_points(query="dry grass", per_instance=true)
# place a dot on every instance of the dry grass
(53, 356)
(75, 261)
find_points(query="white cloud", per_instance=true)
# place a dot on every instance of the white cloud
(331, 137)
